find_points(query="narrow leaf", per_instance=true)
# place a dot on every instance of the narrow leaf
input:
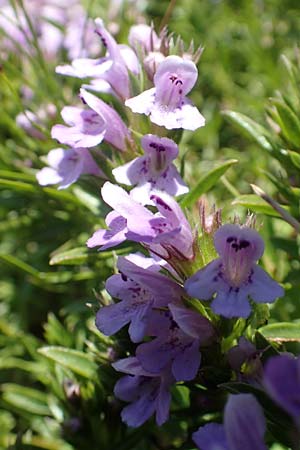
(206, 182)
(75, 360)
(281, 332)
(250, 128)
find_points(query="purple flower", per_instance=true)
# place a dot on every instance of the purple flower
(140, 288)
(152, 171)
(116, 132)
(112, 68)
(282, 381)
(147, 393)
(66, 166)
(87, 128)
(143, 37)
(167, 233)
(244, 427)
(166, 102)
(179, 335)
(235, 276)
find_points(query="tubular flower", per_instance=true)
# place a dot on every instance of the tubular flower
(166, 103)
(235, 276)
(154, 170)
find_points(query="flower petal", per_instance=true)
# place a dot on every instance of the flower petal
(204, 283)
(231, 303)
(211, 437)
(262, 288)
(244, 423)
(143, 103)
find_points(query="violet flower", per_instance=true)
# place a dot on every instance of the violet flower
(112, 68)
(179, 334)
(155, 170)
(235, 276)
(147, 393)
(66, 166)
(282, 381)
(244, 427)
(140, 288)
(87, 128)
(167, 233)
(116, 131)
(166, 103)
(143, 37)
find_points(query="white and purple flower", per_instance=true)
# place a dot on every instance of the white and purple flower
(178, 333)
(140, 288)
(153, 171)
(147, 393)
(89, 127)
(166, 103)
(234, 277)
(112, 69)
(66, 166)
(166, 233)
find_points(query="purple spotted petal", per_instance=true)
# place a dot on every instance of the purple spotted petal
(116, 132)
(152, 171)
(173, 75)
(111, 237)
(204, 283)
(244, 423)
(263, 288)
(85, 128)
(66, 166)
(234, 277)
(211, 437)
(231, 303)
(282, 381)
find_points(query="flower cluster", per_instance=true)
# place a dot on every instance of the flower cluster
(154, 293)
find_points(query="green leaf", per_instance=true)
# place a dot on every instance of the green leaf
(180, 397)
(19, 186)
(26, 399)
(250, 128)
(17, 176)
(75, 256)
(257, 204)
(75, 360)
(46, 443)
(290, 124)
(295, 158)
(281, 332)
(206, 182)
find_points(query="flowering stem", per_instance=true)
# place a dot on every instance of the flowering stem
(284, 214)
